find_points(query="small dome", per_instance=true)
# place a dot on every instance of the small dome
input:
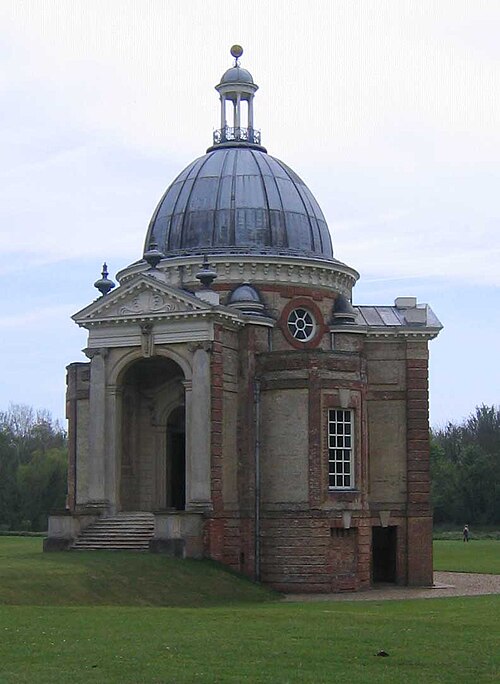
(246, 299)
(237, 75)
(244, 293)
(343, 311)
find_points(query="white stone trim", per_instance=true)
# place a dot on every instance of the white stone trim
(260, 268)
(426, 333)
(115, 371)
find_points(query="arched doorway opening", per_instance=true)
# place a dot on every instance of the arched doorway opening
(152, 436)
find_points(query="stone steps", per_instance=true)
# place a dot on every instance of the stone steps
(122, 532)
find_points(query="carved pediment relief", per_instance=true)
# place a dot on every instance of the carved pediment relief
(147, 301)
(142, 298)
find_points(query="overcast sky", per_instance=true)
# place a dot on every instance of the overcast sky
(389, 111)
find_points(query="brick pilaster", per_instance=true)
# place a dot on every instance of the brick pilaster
(419, 520)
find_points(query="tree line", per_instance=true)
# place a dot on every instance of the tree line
(33, 467)
(465, 469)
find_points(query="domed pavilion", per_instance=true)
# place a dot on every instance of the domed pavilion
(235, 404)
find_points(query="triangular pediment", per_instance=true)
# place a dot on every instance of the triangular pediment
(142, 297)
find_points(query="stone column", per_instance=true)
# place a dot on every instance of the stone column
(222, 112)
(113, 446)
(96, 473)
(198, 406)
(250, 113)
(237, 122)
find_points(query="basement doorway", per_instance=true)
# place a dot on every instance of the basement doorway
(384, 544)
(176, 460)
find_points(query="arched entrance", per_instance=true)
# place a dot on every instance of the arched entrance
(153, 472)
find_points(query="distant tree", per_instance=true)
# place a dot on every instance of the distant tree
(9, 500)
(33, 457)
(483, 428)
(444, 478)
(465, 469)
(42, 486)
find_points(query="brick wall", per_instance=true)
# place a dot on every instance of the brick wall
(309, 552)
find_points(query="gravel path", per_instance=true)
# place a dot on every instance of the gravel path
(445, 584)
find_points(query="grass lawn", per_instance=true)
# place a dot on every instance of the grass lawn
(478, 555)
(145, 619)
(430, 641)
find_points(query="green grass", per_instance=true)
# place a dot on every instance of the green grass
(101, 618)
(30, 577)
(431, 641)
(478, 555)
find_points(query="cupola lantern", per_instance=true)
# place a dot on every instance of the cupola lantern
(236, 87)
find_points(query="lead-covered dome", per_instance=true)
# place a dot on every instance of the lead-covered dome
(237, 75)
(239, 200)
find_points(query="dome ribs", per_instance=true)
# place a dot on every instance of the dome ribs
(173, 235)
(264, 159)
(296, 184)
(155, 228)
(239, 199)
(187, 213)
(232, 208)
(218, 208)
(267, 213)
(316, 237)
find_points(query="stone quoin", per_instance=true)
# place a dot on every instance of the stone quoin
(237, 399)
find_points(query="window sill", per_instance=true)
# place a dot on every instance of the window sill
(343, 493)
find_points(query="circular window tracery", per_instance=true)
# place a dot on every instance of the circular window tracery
(301, 324)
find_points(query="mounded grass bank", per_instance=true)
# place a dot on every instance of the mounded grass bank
(30, 577)
(477, 555)
(431, 641)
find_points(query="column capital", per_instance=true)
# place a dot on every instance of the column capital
(92, 352)
(205, 345)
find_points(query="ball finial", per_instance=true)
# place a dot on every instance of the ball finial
(236, 52)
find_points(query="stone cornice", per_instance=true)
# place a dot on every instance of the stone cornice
(214, 315)
(258, 269)
(401, 332)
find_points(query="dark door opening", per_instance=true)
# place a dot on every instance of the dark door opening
(384, 542)
(176, 460)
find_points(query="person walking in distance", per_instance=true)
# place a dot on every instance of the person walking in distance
(466, 533)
